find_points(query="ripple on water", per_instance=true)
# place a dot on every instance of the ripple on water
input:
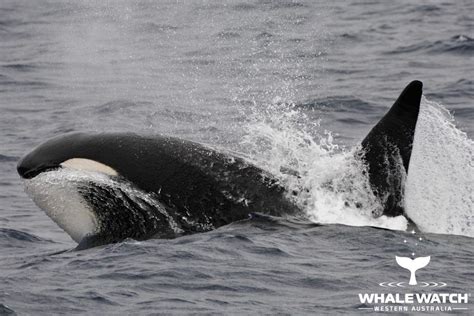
(17, 235)
(456, 45)
(5, 310)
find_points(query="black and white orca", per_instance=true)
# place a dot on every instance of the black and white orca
(140, 187)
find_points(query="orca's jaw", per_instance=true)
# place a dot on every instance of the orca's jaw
(62, 202)
(30, 173)
(95, 208)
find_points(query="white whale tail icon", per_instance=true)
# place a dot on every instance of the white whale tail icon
(412, 265)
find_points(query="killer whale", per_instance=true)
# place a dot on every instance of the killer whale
(174, 186)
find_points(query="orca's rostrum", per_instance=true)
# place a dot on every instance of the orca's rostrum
(160, 186)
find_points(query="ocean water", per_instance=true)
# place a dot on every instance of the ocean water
(284, 83)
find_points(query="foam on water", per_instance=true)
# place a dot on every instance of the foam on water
(439, 192)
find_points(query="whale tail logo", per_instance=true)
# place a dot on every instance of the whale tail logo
(413, 265)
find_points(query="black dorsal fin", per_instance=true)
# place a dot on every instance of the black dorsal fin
(388, 146)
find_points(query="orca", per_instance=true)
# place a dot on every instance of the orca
(140, 187)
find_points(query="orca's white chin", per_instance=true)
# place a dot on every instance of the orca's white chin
(58, 197)
(97, 208)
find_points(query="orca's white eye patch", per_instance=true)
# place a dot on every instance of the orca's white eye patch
(88, 165)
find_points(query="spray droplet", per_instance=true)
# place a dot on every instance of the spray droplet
(438, 183)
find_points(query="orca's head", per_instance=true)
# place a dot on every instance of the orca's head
(75, 179)
(65, 151)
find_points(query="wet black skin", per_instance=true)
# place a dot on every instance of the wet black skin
(389, 143)
(203, 188)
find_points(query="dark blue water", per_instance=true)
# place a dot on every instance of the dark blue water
(230, 74)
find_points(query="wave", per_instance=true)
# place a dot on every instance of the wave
(5, 310)
(270, 5)
(458, 45)
(157, 28)
(5, 158)
(462, 88)
(427, 8)
(465, 112)
(117, 106)
(27, 67)
(228, 35)
(17, 235)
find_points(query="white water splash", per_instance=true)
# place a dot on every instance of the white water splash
(439, 194)
(327, 181)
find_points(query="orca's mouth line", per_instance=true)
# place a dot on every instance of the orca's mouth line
(31, 173)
